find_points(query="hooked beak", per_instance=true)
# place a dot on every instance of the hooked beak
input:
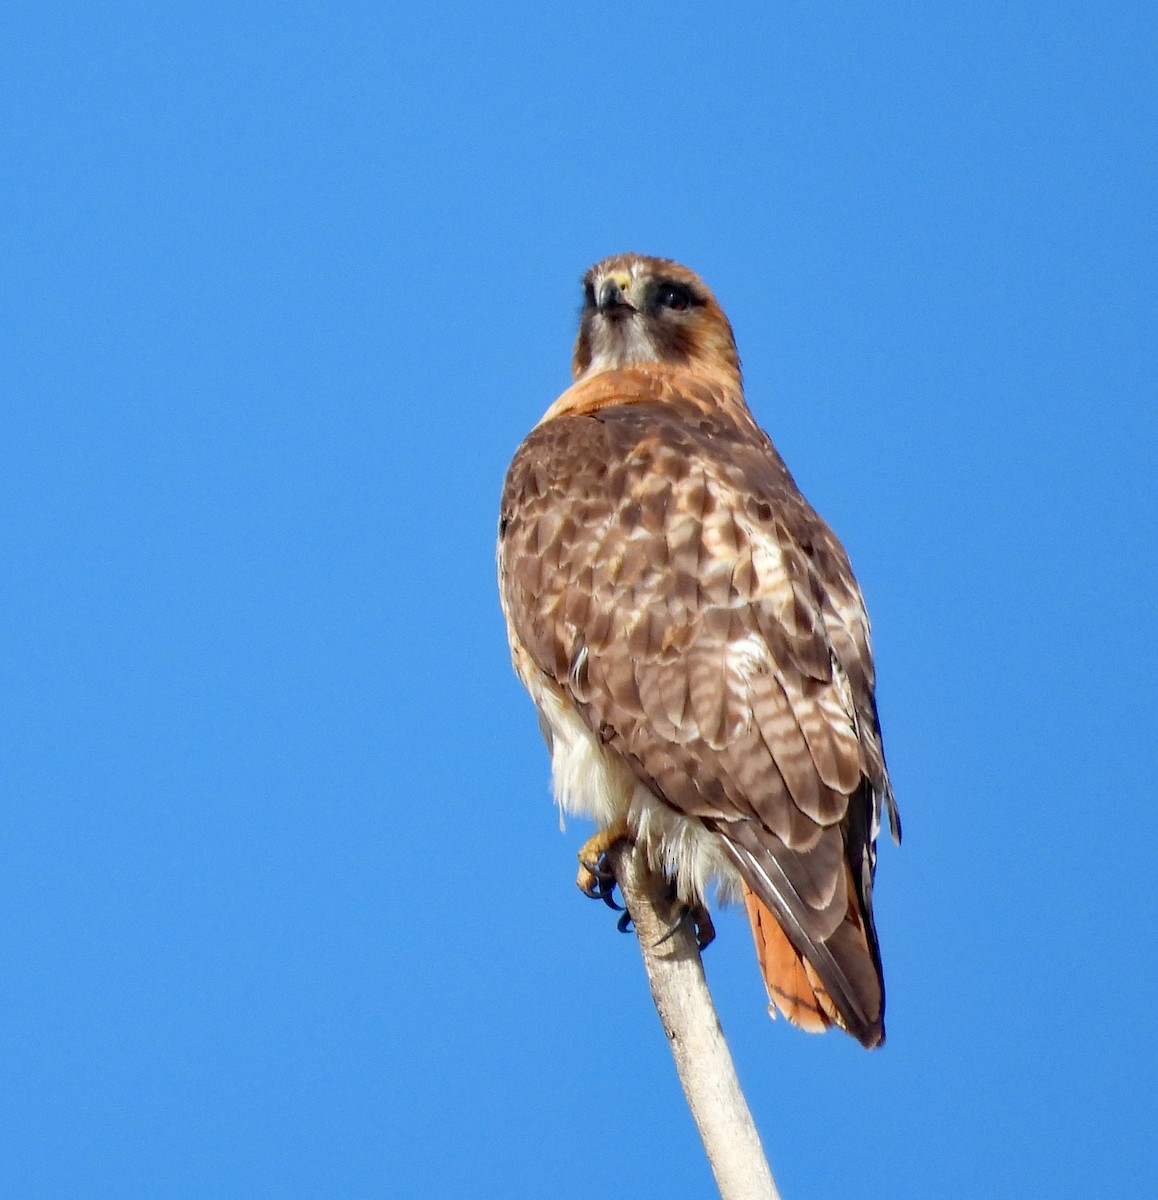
(613, 293)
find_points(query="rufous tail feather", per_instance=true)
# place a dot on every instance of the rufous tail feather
(793, 986)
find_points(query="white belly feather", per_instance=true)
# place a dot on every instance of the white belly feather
(591, 781)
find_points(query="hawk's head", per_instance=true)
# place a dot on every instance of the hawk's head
(650, 310)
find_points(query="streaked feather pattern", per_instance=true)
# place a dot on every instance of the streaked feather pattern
(695, 640)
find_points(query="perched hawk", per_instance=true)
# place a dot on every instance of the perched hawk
(696, 644)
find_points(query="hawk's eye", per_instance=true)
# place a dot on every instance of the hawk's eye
(674, 296)
(588, 294)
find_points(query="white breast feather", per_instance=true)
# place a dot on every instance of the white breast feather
(590, 781)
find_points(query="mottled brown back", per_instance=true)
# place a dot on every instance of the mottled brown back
(660, 565)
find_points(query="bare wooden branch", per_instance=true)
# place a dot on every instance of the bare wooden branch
(701, 1054)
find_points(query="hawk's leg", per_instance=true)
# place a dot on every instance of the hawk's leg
(595, 878)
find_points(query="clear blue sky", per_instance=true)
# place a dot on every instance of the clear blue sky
(285, 907)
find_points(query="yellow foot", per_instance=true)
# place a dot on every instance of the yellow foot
(594, 879)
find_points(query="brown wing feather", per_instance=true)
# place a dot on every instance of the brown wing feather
(723, 643)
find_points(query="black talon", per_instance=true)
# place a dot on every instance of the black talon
(680, 922)
(701, 925)
(603, 887)
(624, 922)
(705, 930)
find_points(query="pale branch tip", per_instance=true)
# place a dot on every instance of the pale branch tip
(703, 1061)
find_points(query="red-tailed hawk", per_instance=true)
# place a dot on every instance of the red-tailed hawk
(696, 644)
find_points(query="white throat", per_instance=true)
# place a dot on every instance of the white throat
(620, 343)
